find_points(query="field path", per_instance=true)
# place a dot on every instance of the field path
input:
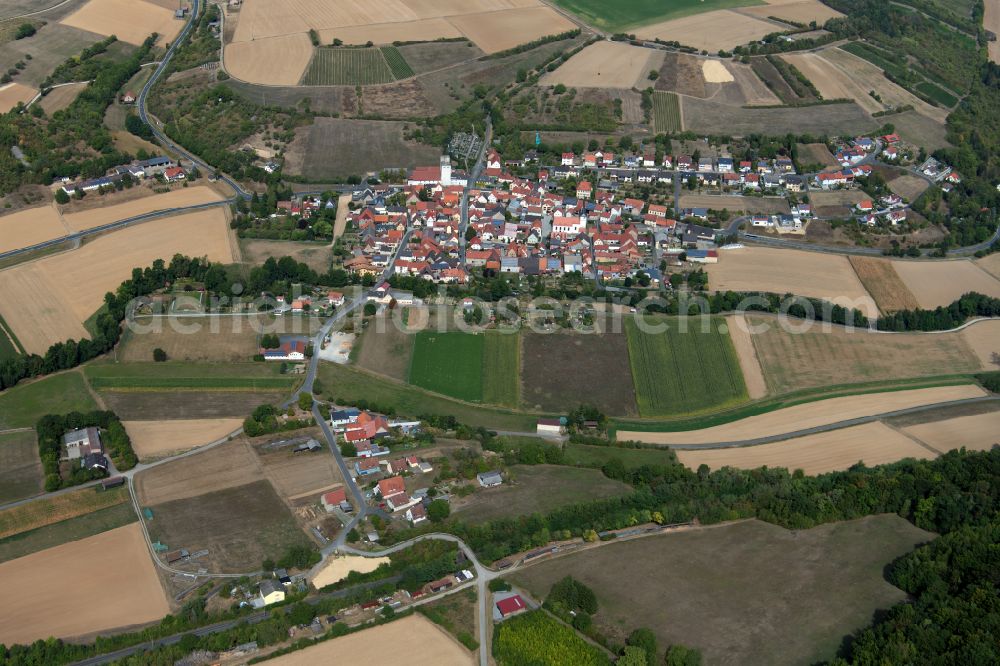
(340, 225)
(753, 375)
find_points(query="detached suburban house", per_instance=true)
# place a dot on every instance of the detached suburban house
(271, 592)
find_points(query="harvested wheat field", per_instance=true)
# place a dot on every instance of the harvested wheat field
(709, 31)
(387, 33)
(13, 94)
(179, 198)
(605, 65)
(276, 61)
(871, 443)
(797, 11)
(49, 299)
(937, 283)
(131, 21)
(55, 598)
(831, 81)
(990, 264)
(209, 338)
(809, 415)
(414, 640)
(991, 21)
(984, 339)
(976, 433)
(881, 280)
(227, 466)
(811, 274)
(30, 226)
(153, 439)
(61, 97)
(502, 30)
(823, 356)
(715, 72)
(753, 376)
(336, 568)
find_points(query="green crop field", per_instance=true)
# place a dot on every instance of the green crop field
(616, 16)
(501, 369)
(23, 405)
(188, 376)
(666, 112)
(938, 94)
(679, 372)
(343, 67)
(449, 363)
(397, 63)
(346, 383)
(538, 638)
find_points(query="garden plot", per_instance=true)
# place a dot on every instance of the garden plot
(606, 65)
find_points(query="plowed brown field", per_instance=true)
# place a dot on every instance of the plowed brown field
(151, 439)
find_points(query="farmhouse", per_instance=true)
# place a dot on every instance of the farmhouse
(271, 592)
(489, 479)
(549, 428)
(82, 443)
(290, 350)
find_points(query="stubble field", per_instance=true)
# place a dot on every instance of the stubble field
(54, 599)
(20, 468)
(799, 360)
(61, 97)
(274, 61)
(808, 415)
(606, 65)
(49, 299)
(768, 205)
(984, 339)
(979, 432)
(29, 227)
(227, 466)
(179, 198)
(709, 31)
(299, 475)
(12, 94)
(798, 11)
(936, 283)
(713, 588)
(871, 443)
(131, 21)
(879, 277)
(154, 439)
(753, 375)
(779, 271)
(414, 640)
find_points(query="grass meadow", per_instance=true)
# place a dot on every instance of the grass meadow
(684, 372)
(23, 405)
(501, 369)
(449, 363)
(620, 15)
(188, 376)
(20, 468)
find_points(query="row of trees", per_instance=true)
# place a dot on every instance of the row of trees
(942, 318)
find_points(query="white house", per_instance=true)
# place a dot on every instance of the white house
(549, 428)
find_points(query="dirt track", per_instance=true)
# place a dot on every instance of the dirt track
(873, 443)
(414, 640)
(809, 415)
(753, 376)
(99, 583)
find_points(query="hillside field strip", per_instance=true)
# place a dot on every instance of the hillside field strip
(753, 374)
(983, 337)
(976, 433)
(606, 65)
(779, 271)
(153, 439)
(23, 405)
(20, 468)
(936, 283)
(271, 44)
(710, 588)
(882, 281)
(667, 112)
(808, 415)
(414, 640)
(131, 21)
(678, 372)
(29, 227)
(871, 443)
(795, 360)
(501, 369)
(54, 599)
(346, 66)
(179, 198)
(617, 16)
(796, 11)
(49, 299)
(709, 31)
(154, 377)
(61, 97)
(50, 510)
(12, 94)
